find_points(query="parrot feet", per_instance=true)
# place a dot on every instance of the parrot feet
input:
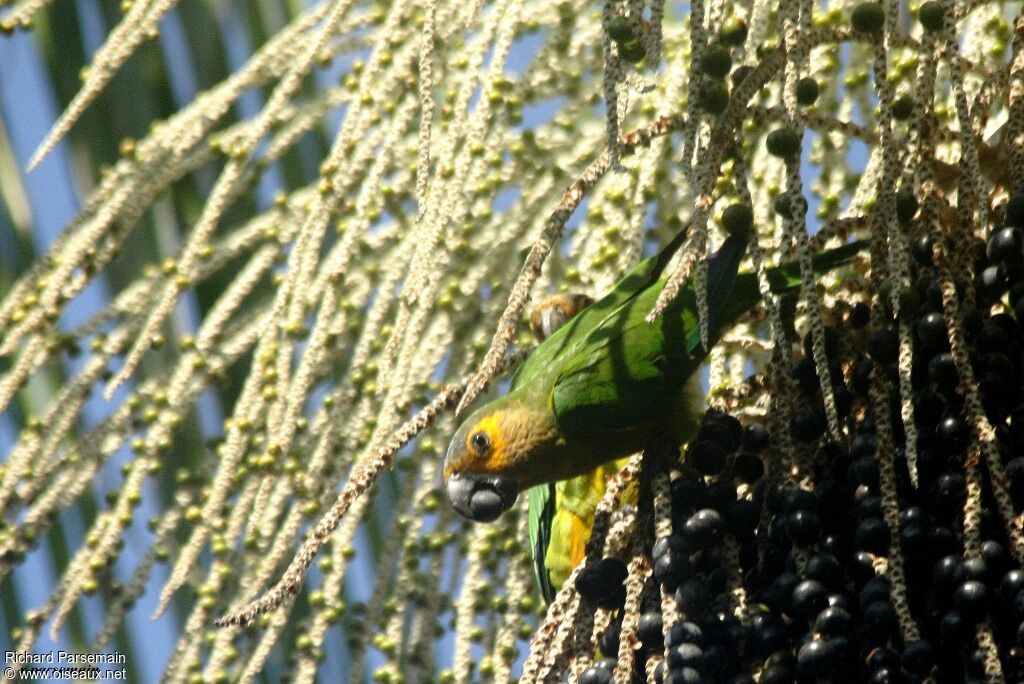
(555, 311)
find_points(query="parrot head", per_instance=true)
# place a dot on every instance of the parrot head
(489, 459)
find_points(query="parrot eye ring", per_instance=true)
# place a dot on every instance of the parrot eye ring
(481, 442)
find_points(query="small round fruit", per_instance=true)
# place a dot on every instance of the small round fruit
(1005, 245)
(931, 15)
(918, 658)
(748, 468)
(649, 630)
(783, 206)
(921, 248)
(807, 91)
(596, 675)
(733, 32)
(815, 660)
(671, 562)
(884, 345)
(833, 621)
(971, 599)
(902, 107)
(619, 29)
(868, 17)
(755, 437)
(686, 655)
(632, 51)
(880, 620)
(693, 598)
(714, 97)
(738, 219)
(602, 582)
(783, 143)
(809, 598)
(953, 434)
(706, 456)
(872, 535)
(942, 371)
(723, 429)
(803, 527)
(716, 62)
(703, 528)
(685, 633)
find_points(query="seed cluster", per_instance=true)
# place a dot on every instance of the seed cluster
(849, 569)
(466, 158)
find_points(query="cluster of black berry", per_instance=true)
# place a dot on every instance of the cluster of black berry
(711, 644)
(814, 558)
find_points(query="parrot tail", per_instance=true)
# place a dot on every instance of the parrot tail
(782, 279)
(786, 277)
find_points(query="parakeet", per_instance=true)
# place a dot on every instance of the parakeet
(599, 387)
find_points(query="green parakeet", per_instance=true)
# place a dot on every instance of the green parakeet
(596, 390)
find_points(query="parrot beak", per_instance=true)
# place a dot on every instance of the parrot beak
(481, 498)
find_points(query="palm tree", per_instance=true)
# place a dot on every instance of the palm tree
(254, 254)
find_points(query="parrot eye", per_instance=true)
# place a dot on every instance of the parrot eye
(481, 442)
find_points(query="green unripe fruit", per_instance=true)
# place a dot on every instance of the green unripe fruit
(783, 206)
(632, 51)
(741, 74)
(931, 15)
(903, 107)
(733, 32)
(868, 17)
(807, 91)
(619, 29)
(738, 219)
(783, 143)
(714, 98)
(716, 62)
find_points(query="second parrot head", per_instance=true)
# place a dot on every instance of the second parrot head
(491, 457)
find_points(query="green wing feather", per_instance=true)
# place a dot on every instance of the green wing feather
(615, 390)
(561, 517)
(561, 345)
(626, 373)
(786, 277)
(541, 511)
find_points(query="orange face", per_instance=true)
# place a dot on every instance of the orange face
(481, 450)
(499, 451)
(478, 486)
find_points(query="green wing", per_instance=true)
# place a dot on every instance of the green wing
(541, 511)
(786, 277)
(561, 518)
(628, 373)
(554, 350)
